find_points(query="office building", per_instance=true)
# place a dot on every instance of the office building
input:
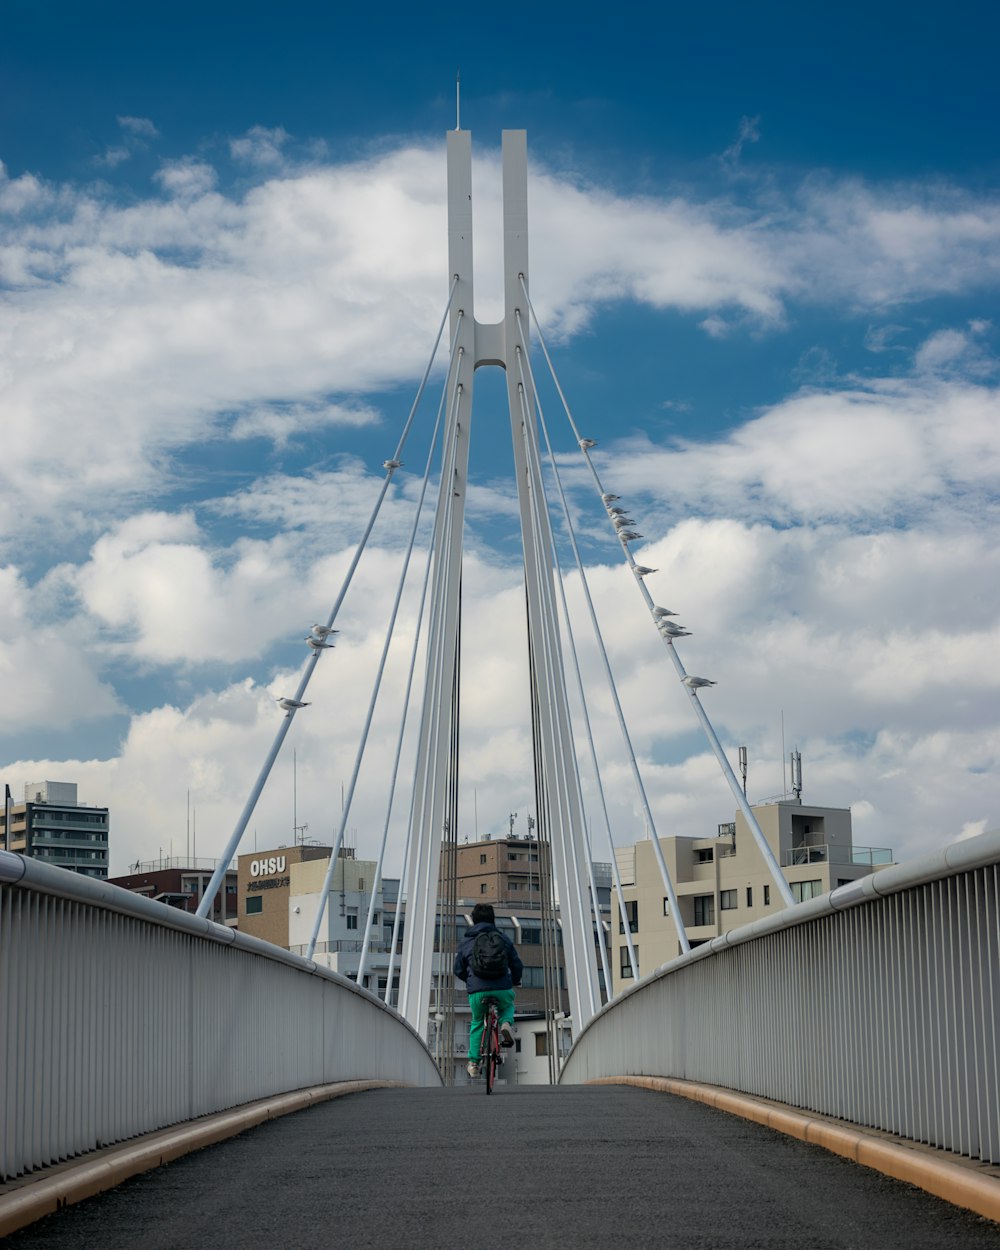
(52, 826)
(263, 889)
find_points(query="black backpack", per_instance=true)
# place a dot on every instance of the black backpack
(489, 955)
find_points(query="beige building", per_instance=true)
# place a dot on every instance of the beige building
(263, 888)
(503, 871)
(722, 883)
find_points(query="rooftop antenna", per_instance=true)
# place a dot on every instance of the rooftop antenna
(743, 769)
(797, 774)
(458, 99)
(512, 818)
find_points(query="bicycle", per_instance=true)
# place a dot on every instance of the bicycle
(490, 1052)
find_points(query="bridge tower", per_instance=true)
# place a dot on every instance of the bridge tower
(560, 806)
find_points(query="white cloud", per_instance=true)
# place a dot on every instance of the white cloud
(279, 424)
(143, 328)
(749, 132)
(113, 156)
(260, 147)
(834, 556)
(139, 127)
(891, 449)
(187, 178)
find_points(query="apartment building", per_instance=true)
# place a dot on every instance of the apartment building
(52, 826)
(721, 882)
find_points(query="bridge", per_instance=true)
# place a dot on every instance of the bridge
(860, 1025)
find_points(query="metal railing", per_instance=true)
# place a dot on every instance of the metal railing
(877, 1003)
(826, 853)
(120, 1015)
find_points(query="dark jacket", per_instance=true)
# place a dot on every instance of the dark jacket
(463, 963)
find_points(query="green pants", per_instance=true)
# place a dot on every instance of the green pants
(479, 1002)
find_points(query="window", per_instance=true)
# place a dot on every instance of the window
(704, 856)
(632, 911)
(482, 888)
(704, 909)
(767, 896)
(482, 858)
(352, 917)
(727, 900)
(802, 890)
(361, 883)
(666, 907)
(541, 1044)
(749, 896)
(255, 905)
(515, 885)
(625, 967)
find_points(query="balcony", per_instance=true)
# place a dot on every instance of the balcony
(870, 857)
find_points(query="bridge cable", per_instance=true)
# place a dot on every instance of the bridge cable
(553, 558)
(613, 690)
(362, 967)
(438, 666)
(318, 643)
(579, 678)
(713, 740)
(550, 967)
(543, 559)
(390, 628)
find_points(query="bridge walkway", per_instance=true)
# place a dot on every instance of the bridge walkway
(579, 1166)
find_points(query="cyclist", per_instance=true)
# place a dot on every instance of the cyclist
(490, 969)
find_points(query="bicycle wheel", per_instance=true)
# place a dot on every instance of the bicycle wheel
(492, 1049)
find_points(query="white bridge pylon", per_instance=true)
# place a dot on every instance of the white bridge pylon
(502, 344)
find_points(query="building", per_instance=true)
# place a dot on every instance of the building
(721, 882)
(182, 883)
(346, 913)
(51, 826)
(504, 872)
(263, 889)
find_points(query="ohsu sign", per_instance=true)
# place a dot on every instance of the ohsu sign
(268, 866)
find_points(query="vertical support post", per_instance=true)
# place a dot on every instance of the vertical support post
(565, 816)
(434, 742)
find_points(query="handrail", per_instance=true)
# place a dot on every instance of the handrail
(120, 1016)
(873, 1003)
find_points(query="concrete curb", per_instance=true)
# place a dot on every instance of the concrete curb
(27, 1200)
(958, 1183)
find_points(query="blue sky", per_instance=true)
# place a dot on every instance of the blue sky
(766, 247)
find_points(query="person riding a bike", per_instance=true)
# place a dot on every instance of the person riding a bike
(488, 963)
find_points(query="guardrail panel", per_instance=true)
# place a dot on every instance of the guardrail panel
(877, 1004)
(119, 1016)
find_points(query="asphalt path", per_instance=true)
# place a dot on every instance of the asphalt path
(580, 1167)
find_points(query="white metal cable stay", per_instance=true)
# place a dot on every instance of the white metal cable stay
(376, 690)
(690, 684)
(318, 635)
(394, 775)
(546, 559)
(613, 691)
(437, 678)
(568, 625)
